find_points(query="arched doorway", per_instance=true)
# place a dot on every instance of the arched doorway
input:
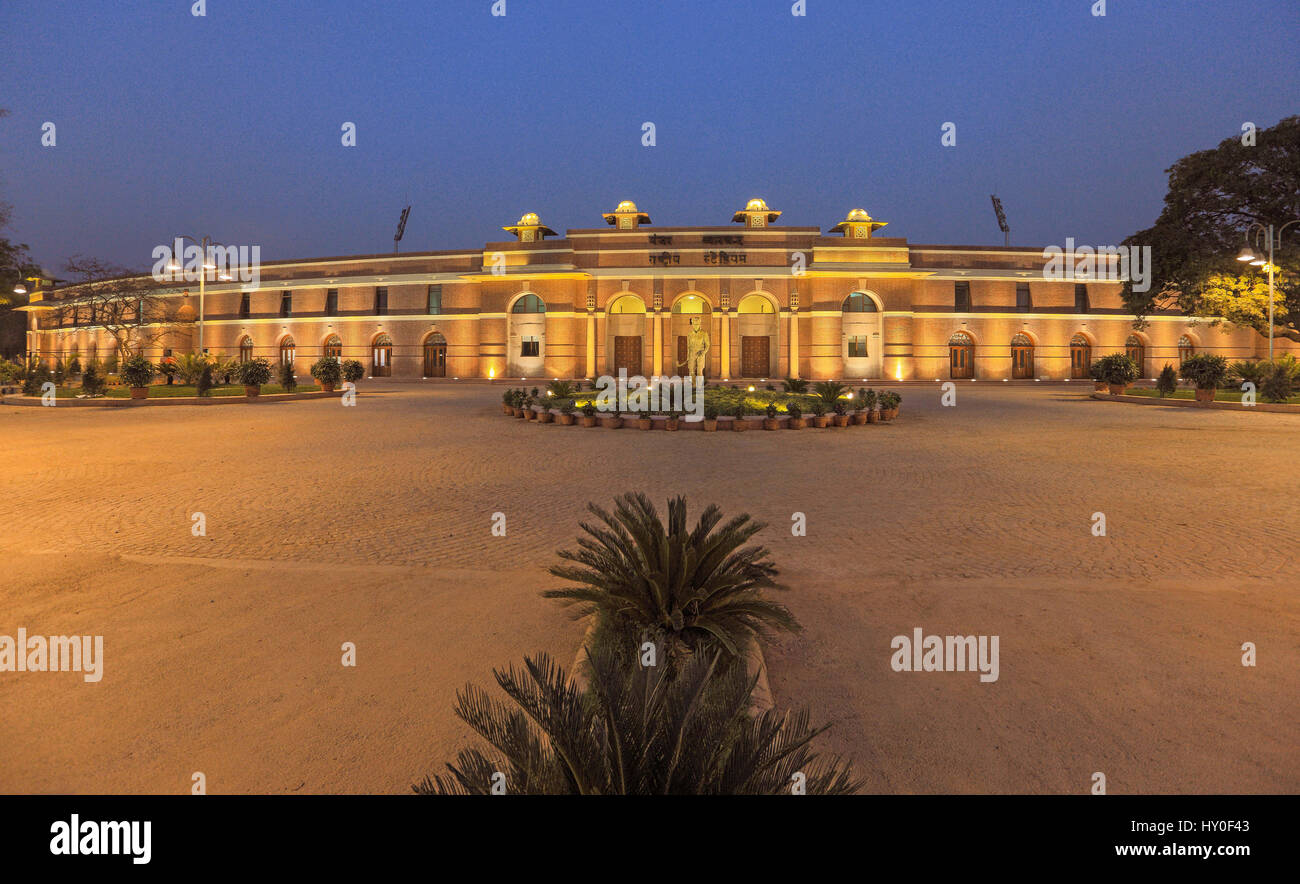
(435, 355)
(1022, 357)
(245, 349)
(1137, 351)
(1186, 348)
(625, 323)
(686, 308)
(1080, 356)
(333, 347)
(961, 355)
(381, 357)
(286, 351)
(526, 355)
(860, 322)
(756, 321)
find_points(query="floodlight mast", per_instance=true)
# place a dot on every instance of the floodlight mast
(1002, 220)
(401, 228)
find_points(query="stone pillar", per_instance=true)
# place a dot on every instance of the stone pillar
(591, 344)
(658, 319)
(725, 333)
(794, 343)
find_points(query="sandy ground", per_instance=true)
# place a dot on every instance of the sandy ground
(373, 525)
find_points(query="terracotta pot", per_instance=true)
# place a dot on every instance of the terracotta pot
(672, 424)
(893, 413)
(328, 388)
(611, 423)
(139, 392)
(771, 423)
(588, 421)
(645, 423)
(841, 420)
(796, 423)
(507, 409)
(1099, 386)
(1117, 389)
(740, 425)
(1205, 397)
(564, 420)
(530, 415)
(519, 412)
(545, 417)
(821, 421)
(872, 416)
(252, 390)
(710, 426)
(859, 418)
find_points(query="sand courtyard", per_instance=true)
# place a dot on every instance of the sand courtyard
(1119, 654)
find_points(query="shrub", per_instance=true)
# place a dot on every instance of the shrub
(829, 391)
(9, 371)
(839, 406)
(739, 411)
(819, 407)
(74, 364)
(710, 412)
(1282, 379)
(255, 372)
(189, 366)
(507, 396)
(566, 407)
(38, 374)
(204, 386)
(138, 371)
(1117, 369)
(589, 409)
(288, 380)
(771, 409)
(353, 370)
(870, 398)
(1206, 370)
(1167, 383)
(794, 410)
(327, 370)
(795, 385)
(91, 381)
(562, 390)
(1253, 371)
(889, 400)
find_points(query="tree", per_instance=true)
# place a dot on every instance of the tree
(634, 731)
(1214, 195)
(104, 295)
(698, 588)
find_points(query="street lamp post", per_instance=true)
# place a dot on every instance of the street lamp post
(206, 264)
(1248, 256)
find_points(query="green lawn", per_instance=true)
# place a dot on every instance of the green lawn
(164, 391)
(1219, 395)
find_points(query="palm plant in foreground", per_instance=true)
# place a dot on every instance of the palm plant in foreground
(694, 587)
(634, 731)
(830, 391)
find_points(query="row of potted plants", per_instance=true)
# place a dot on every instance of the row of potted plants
(1115, 373)
(137, 372)
(867, 407)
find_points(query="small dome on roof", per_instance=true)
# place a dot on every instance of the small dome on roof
(627, 206)
(857, 215)
(756, 205)
(529, 219)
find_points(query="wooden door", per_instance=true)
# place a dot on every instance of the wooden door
(1022, 363)
(627, 354)
(755, 353)
(961, 361)
(1080, 360)
(383, 361)
(435, 360)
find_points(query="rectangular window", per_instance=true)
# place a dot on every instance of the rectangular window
(332, 302)
(286, 303)
(858, 346)
(961, 297)
(1080, 297)
(1023, 302)
(435, 299)
(381, 300)
(245, 305)
(531, 347)
(139, 311)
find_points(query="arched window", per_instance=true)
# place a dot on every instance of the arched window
(286, 350)
(334, 347)
(245, 349)
(1022, 357)
(961, 355)
(435, 356)
(1186, 348)
(1137, 351)
(627, 304)
(755, 304)
(381, 357)
(529, 303)
(1080, 356)
(859, 303)
(691, 304)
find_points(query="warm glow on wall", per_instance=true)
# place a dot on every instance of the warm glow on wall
(898, 372)
(492, 373)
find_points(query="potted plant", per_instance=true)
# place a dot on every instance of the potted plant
(841, 413)
(612, 420)
(507, 399)
(1119, 371)
(566, 413)
(1098, 379)
(820, 418)
(328, 372)
(869, 400)
(1167, 383)
(529, 414)
(710, 418)
(288, 380)
(859, 406)
(796, 421)
(1207, 371)
(739, 424)
(353, 370)
(544, 414)
(137, 372)
(673, 423)
(167, 368)
(644, 421)
(889, 402)
(771, 422)
(589, 414)
(253, 374)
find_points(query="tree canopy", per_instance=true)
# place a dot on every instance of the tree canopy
(1214, 196)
